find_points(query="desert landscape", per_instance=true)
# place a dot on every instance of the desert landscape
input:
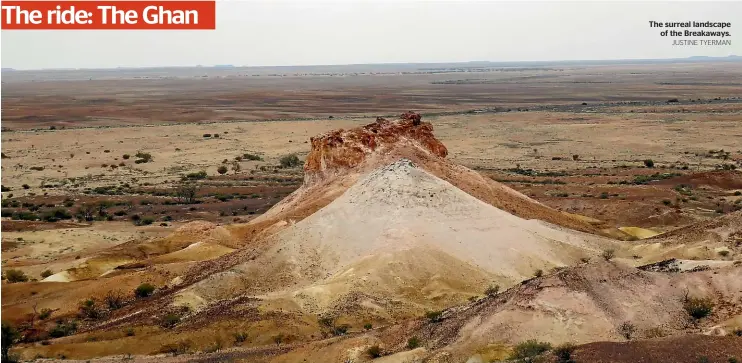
(465, 212)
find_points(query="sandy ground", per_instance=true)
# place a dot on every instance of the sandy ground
(61, 249)
(493, 141)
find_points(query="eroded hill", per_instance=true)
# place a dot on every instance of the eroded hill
(384, 230)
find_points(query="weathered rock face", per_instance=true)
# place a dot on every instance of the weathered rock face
(344, 149)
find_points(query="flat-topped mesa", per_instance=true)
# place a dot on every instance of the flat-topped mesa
(344, 149)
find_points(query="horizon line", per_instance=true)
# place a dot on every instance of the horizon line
(226, 65)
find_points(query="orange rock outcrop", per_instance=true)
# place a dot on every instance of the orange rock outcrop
(342, 149)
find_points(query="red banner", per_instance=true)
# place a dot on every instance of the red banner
(93, 15)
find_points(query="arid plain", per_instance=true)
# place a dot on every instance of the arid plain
(190, 181)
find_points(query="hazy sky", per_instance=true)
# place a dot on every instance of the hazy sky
(255, 33)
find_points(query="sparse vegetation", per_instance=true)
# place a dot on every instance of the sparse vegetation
(56, 215)
(10, 336)
(195, 176)
(90, 309)
(63, 329)
(142, 157)
(698, 307)
(492, 290)
(144, 290)
(248, 156)
(114, 300)
(222, 170)
(655, 332)
(236, 167)
(626, 329)
(374, 351)
(217, 345)
(683, 189)
(326, 321)
(367, 326)
(336, 330)
(290, 161)
(182, 347)
(186, 192)
(25, 216)
(340, 330)
(170, 320)
(725, 167)
(45, 313)
(563, 353)
(649, 163)
(434, 316)
(46, 273)
(136, 219)
(14, 276)
(240, 337)
(413, 343)
(608, 254)
(538, 273)
(529, 349)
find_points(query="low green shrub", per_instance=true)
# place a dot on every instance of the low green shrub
(434, 316)
(144, 290)
(170, 320)
(15, 276)
(529, 349)
(492, 290)
(290, 161)
(413, 343)
(374, 351)
(563, 353)
(698, 308)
